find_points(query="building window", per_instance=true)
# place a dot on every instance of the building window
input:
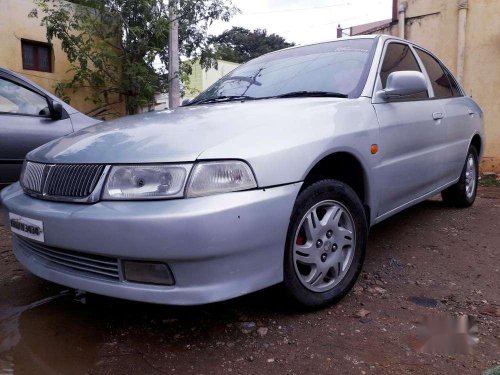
(36, 56)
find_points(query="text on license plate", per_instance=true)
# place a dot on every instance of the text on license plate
(26, 227)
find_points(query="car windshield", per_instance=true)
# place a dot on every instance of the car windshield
(330, 69)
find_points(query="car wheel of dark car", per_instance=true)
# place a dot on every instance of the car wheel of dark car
(326, 244)
(463, 193)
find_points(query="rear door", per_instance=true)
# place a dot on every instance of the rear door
(24, 125)
(412, 135)
(459, 118)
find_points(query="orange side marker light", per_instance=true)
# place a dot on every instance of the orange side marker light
(374, 149)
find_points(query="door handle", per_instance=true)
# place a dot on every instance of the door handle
(437, 115)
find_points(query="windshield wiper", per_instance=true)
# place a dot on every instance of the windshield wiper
(294, 94)
(312, 94)
(223, 98)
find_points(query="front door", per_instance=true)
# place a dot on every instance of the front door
(24, 125)
(412, 135)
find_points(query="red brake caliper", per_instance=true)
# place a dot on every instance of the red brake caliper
(300, 240)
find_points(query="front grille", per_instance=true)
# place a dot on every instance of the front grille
(53, 181)
(87, 264)
(72, 180)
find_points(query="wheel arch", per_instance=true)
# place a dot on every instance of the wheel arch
(346, 167)
(477, 142)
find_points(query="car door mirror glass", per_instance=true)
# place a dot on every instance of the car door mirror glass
(45, 112)
(404, 83)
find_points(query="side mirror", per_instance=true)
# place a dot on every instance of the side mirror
(56, 110)
(404, 83)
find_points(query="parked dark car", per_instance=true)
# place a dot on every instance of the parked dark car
(29, 117)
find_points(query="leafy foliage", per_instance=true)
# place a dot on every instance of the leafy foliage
(114, 46)
(240, 45)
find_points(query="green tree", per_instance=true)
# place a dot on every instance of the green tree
(119, 48)
(240, 45)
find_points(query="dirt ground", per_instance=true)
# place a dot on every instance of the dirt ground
(427, 261)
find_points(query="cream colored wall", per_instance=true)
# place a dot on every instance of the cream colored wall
(434, 25)
(14, 26)
(482, 71)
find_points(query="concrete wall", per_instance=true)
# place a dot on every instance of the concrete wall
(434, 25)
(14, 26)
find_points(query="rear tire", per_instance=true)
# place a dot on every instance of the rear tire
(326, 244)
(463, 193)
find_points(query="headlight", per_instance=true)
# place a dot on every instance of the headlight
(129, 182)
(220, 177)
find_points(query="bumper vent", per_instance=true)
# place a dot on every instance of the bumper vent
(65, 182)
(87, 264)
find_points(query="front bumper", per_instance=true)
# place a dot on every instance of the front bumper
(218, 247)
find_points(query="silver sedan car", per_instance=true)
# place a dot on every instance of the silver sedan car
(273, 175)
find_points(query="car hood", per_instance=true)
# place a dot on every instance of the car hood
(179, 135)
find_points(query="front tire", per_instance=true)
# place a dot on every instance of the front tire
(326, 244)
(463, 193)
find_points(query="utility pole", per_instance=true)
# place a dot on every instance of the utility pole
(174, 92)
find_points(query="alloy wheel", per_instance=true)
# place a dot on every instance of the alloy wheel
(324, 245)
(470, 176)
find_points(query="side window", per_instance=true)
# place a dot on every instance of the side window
(399, 57)
(19, 100)
(439, 79)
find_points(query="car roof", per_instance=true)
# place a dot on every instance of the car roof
(326, 41)
(382, 37)
(3, 70)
